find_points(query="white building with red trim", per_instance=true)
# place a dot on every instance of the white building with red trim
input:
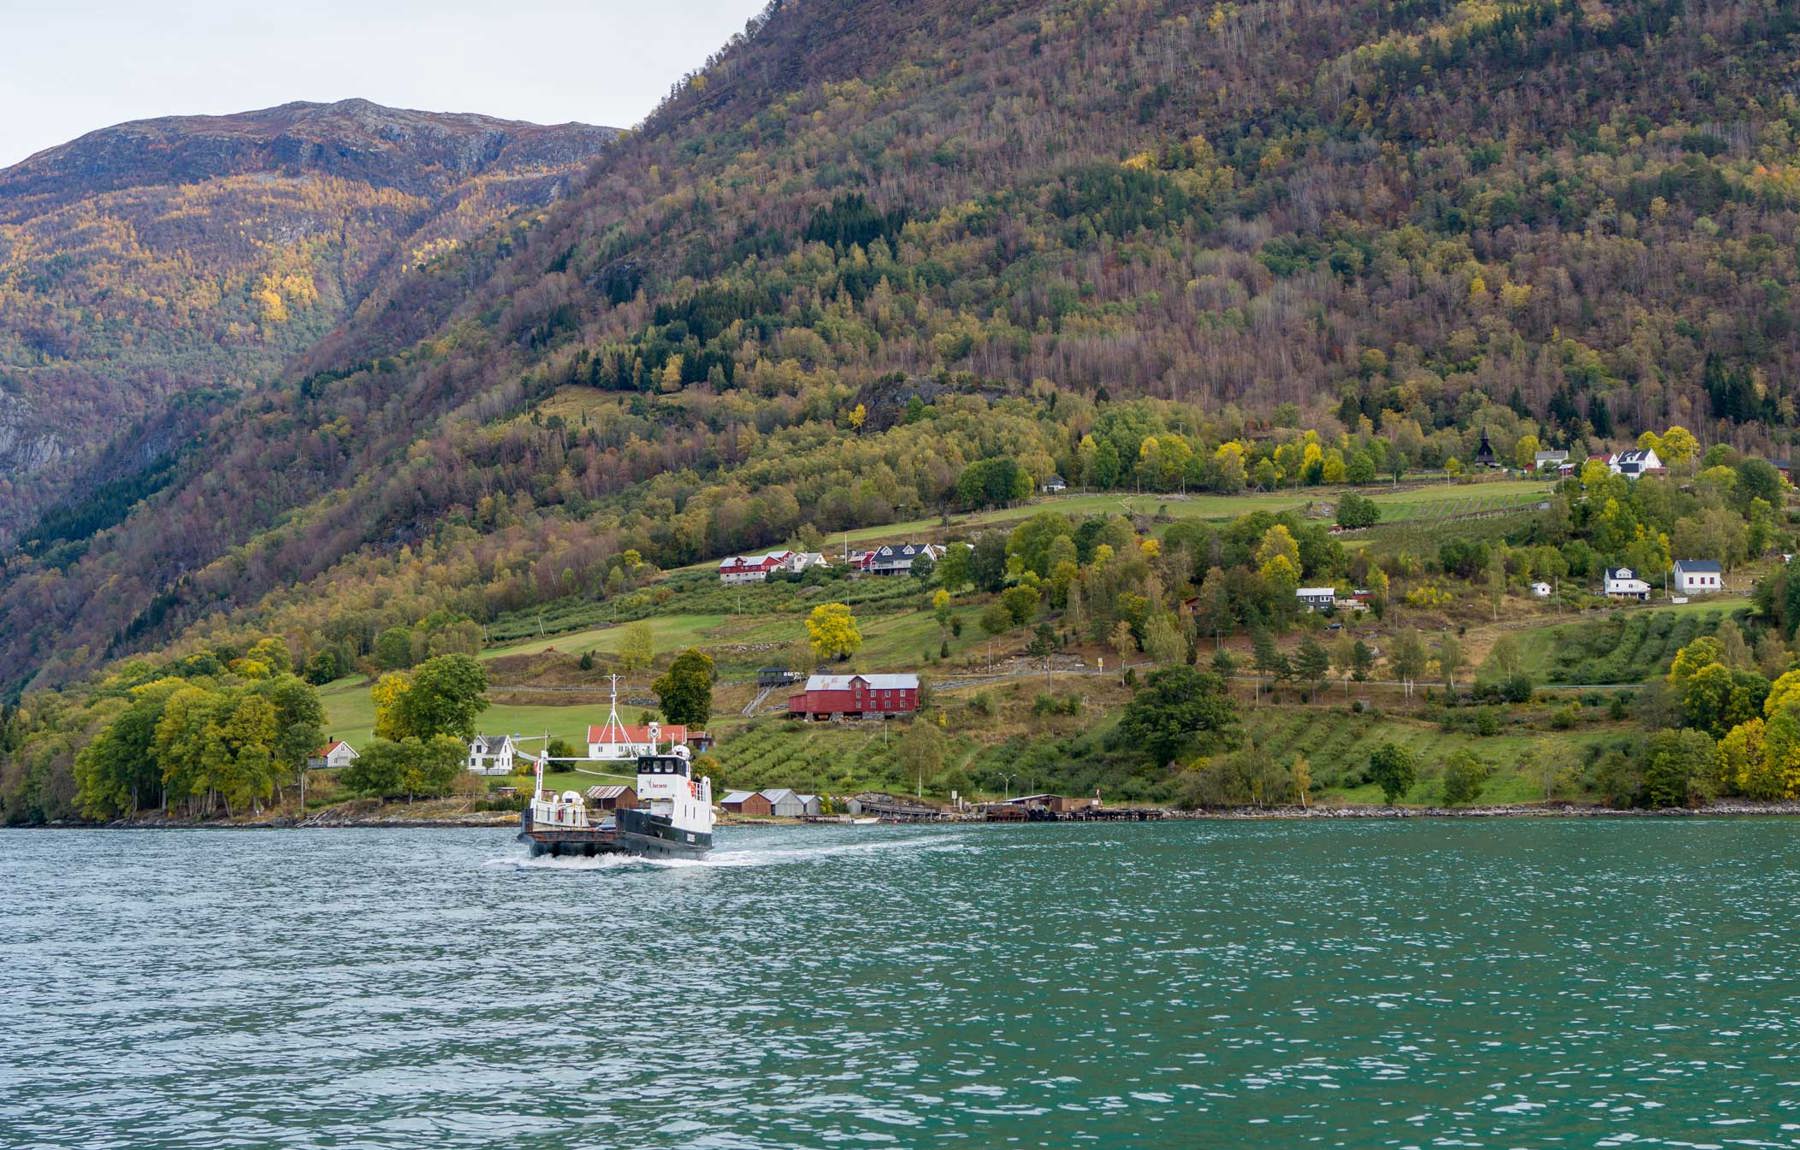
(756, 568)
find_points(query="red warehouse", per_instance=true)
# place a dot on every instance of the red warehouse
(856, 696)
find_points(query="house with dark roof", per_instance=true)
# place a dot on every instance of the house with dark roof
(493, 754)
(1699, 577)
(897, 558)
(1636, 463)
(1623, 583)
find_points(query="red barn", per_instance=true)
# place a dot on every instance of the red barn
(856, 696)
(756, 568)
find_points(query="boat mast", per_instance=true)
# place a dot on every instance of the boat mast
(614, 731)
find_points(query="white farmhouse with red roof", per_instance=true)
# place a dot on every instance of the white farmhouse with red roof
(332, 756)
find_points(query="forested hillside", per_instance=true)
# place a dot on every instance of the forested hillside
(871, 246)
(152, 270)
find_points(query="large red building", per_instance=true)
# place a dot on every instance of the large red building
(856, 697)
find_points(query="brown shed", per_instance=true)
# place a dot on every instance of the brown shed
(612, 798)
(748, 803)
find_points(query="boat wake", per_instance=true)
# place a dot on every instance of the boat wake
(735, 859)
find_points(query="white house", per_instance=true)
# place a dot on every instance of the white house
(1054, 485)
(1698, 577)
(614, 741)
(1541, 590)
(332, 756)
(1549, 460)
(1623, 583)
(1634, 463)
(897, 559)
(801, 560)
(1317, 598)
(492, 754)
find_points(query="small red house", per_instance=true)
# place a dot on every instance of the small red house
(856, 696)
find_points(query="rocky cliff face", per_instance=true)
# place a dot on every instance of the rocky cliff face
(26, 444)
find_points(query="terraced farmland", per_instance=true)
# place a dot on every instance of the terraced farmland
(1337, 745)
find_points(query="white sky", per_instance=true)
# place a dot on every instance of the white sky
(71, 66)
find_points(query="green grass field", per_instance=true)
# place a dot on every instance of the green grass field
(672, 632)
(350, 715)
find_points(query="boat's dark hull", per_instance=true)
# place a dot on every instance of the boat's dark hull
(631, 833)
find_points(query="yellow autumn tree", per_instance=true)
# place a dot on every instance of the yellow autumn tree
(1525, 452)
(1278, 559)
(832, 633)
(1698, 655)
(1779, 776)
(1678, 446)
(1233, 474)
(387, 694)
(1741, 758)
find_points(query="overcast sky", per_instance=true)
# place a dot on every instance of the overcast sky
(73, 66)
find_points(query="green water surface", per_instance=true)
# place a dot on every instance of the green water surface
(1406, 983)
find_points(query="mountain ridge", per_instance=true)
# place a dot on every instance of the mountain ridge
(153, 258)
(391, 147)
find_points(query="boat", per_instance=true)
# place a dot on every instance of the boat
(864, 822)
(673, 818)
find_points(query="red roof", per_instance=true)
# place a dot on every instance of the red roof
(766, 562)
(671, 733)
(330, 747)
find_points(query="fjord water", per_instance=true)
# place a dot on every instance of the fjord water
(1415, 983)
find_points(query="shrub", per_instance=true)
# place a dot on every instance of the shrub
(1428, 595)
(1464, 776)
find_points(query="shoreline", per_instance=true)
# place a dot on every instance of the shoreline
(1729, 809)
(502, 820)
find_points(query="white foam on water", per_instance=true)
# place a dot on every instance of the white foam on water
(733, 859)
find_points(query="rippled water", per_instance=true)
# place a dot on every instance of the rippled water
(1490, 984)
